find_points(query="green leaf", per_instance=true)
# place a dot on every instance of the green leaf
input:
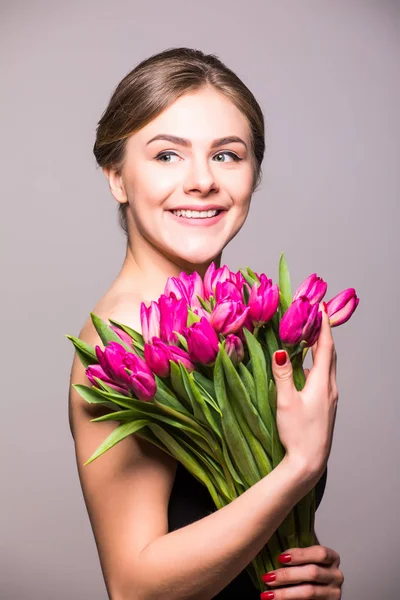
(246, 294)
(248, 382)
(272, 396)
(201, 409)
(250, 280)
(118, 434)
(107, 334)
(284, 284)
(186, 457)
(137, 337)
(270, 339)
(182, 340)
(237, 444)
(178, 386)
(253, 275)
(204, 304)
(85, 352)
(256, 433)
(192, 318)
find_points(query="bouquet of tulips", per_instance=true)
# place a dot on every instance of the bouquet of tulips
(197, 381)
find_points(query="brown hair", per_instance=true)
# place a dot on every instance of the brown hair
(152, 86)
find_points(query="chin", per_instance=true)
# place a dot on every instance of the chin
(198, 254)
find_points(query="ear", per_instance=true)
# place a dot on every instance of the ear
(116, 184)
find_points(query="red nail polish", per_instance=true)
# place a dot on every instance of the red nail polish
(284, 558)
(280, 357)
(267, 595)
(269, 577)
(325, 308)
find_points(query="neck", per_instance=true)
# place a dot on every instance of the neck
(145, 269)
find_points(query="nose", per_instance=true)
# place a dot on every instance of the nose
(200, 178)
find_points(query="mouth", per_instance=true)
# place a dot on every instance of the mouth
(197, 217)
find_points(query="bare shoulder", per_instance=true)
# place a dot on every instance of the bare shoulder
(127, 489)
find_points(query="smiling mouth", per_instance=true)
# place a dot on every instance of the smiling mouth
(196, 214)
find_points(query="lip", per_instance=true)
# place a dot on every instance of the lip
(199, 208)
(204, 222)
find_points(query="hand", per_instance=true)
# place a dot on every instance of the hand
(306, 418)
(318, 575)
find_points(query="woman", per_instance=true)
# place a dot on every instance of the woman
(181, 144)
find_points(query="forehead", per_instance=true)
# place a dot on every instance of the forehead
(202, 115)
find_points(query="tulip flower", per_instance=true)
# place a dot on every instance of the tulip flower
(301, 322)
(314, 288)
(202, 342)
(228, 316)
(227, 290)
(263, 301)
(158, 355)
(187, 287)
(212, 276)
(93, 371)
(234, 348)
(150, 320)
(341, 307)
(127, 370)
(173, 317)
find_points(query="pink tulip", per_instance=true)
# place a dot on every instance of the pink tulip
(234, 349)
(187, 287)
(263, 301)
(150, 320)
(127, 370)
(93, 371)
(228, 316)
(173, 317)
(227, 290)
(301, 322)
(158, 355)
(314, 288)
(212, 276)
(341, 307)
(202, 342)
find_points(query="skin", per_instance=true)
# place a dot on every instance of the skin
(160, 247)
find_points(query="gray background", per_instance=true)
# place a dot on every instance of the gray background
(325, 74)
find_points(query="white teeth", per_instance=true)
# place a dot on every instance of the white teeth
(195, 214)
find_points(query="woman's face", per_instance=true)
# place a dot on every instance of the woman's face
(186, 160)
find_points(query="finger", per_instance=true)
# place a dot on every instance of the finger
(324, 352)
(333, 372)
(306, 573)
(283, 375)
(298, 592)
(322, 555)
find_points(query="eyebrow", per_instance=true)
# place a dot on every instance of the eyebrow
(184, 142)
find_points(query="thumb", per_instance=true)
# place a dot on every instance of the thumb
(283, 372)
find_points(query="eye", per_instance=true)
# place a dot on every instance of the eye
(163, 155)
(234, 156)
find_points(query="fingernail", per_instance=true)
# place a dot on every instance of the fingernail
(284, 558)
(268, 577)
(267, 595)
(325, 309)
(280, 357)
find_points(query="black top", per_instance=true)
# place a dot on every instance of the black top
(191, 501)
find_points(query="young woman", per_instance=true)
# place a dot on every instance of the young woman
(181, 144)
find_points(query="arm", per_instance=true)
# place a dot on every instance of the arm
(126, 492)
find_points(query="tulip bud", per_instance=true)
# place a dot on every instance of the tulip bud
(341, 307)
(123, 335)
(314, 288)
(127, 370)
(158, 355)
(173, 317)
(93, 371)
(202, 342)
(234, 349)
(301, 322)
(263, 301)
(187, 287)
(150, 320)
(212, 276)
(228, 316)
